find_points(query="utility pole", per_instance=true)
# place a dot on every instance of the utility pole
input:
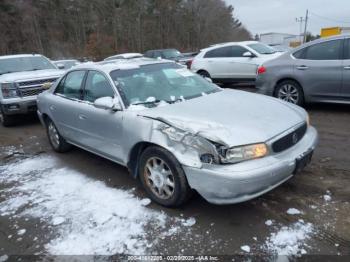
(301, 21)
(306, 20)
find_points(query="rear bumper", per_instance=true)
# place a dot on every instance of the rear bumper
(228, 184)
(264, 86)
(19, 106)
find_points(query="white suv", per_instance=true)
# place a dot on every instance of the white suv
(232, 62)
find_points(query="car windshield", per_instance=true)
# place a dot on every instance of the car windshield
(19, 64)
(171, 53)
(262, 48)
(152, 84)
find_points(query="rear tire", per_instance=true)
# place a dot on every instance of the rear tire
(163, 178)
(57, 142)
(290, 91)
(6, 120)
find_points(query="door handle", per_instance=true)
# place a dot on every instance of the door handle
(347, 67)
(302, 67)
(82, 117)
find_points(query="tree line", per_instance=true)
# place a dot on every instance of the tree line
(99, 28)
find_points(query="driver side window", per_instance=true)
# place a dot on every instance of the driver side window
(97, 86)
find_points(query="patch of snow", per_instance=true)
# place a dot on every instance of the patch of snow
(293, 211)
(246, 248)
(98, 220)
(146, 201)
(327, 198)
(290, 240)
(189, 222)
(4, 258)
(57, 221)
(21, 232)
(268, 222)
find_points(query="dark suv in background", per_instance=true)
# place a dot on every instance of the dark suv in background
(170, 54)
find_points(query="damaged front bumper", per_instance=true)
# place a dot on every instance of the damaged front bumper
(228, 184)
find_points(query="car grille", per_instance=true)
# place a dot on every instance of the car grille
(289, 140)
(33, 87)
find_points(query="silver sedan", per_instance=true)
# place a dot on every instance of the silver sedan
(318, 71)
(176, 131)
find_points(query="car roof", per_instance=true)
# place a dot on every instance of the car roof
(229, 44)
(125, 55)
(108, 66)
(64, 60)
(19, 56)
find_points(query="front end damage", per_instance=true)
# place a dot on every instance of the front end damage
(220, 182)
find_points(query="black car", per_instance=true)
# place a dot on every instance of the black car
(170, 54)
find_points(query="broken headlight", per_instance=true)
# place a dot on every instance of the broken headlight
(243, 153)
(206, 150)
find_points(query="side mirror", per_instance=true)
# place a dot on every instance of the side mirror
(248, 54)
(108, 103)
(60, 66)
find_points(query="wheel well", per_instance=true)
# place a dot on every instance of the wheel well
(286, 79)
(45, 118)
(202, 70)
(134, 156)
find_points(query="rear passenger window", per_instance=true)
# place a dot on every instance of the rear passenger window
(219, 52)
(97, 86)
(227, 51)
(324, 51)
(347, 49)
(71, 85)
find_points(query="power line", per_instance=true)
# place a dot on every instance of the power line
(330, 19)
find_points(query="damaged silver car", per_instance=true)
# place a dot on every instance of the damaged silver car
(176, 131)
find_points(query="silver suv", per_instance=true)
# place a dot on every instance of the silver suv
(22, 78)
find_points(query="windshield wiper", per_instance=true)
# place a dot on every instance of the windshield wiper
(7, 72)
(174, 101)
(147, 102)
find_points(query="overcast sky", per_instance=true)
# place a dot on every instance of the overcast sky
(263, 16)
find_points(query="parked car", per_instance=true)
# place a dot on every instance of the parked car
(281, 48)
(318, 71)
(232, 62)
(176, 131)
(169, 54)
(22, 78)
(66, 64)
(124, 56)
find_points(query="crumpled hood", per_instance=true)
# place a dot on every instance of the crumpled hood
(231, 117)
(29, 75)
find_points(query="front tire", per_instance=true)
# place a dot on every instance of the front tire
(290, 91)
(57, 142)
(163, 177)
(6, 120)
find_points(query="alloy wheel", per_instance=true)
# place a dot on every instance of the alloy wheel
(289, 93)
(159, 178)
(53, 135)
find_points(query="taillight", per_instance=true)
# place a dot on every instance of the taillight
(189, 64)
(261, 70)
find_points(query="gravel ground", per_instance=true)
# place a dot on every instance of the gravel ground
(309, 214)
